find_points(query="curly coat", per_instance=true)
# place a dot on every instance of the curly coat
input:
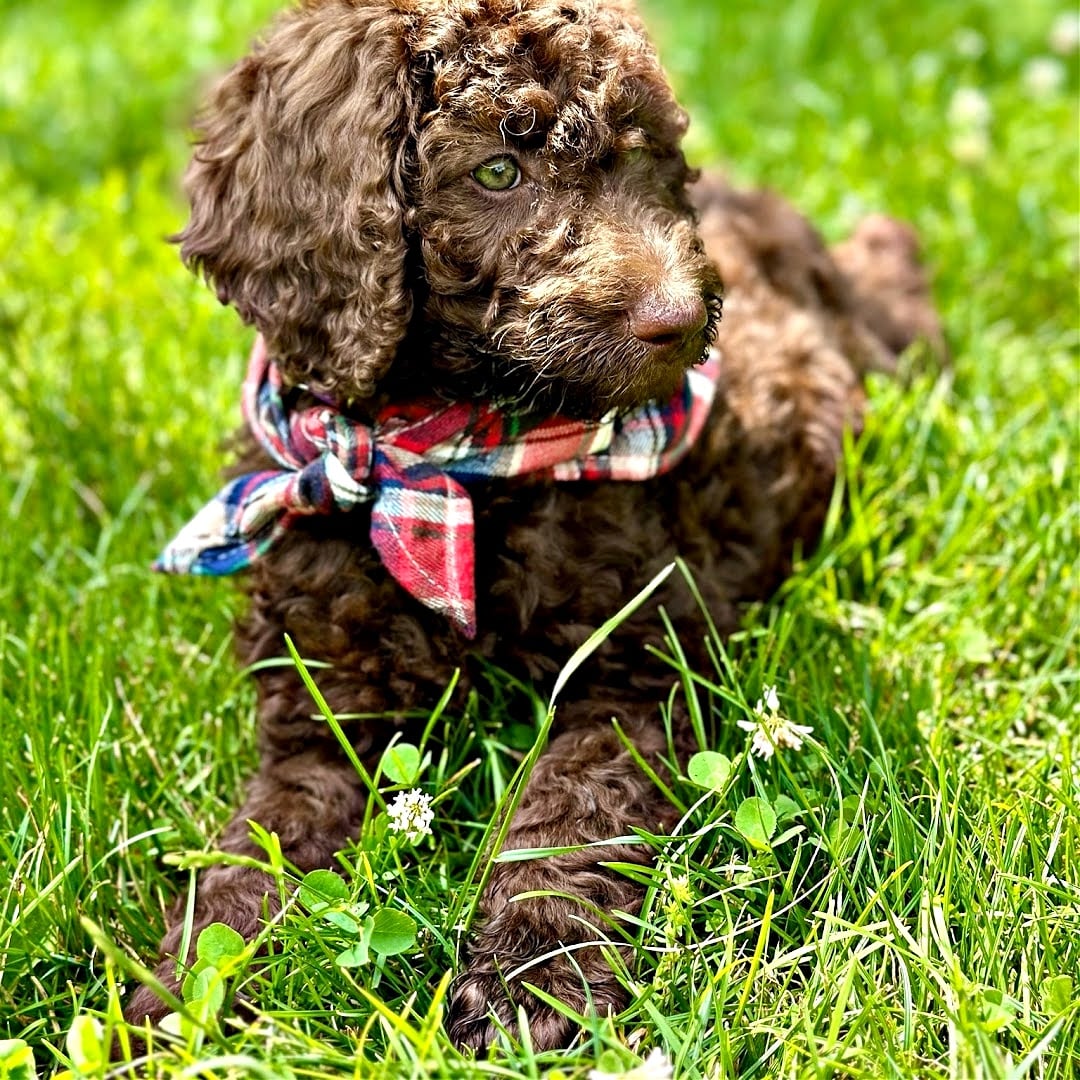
(334, 204)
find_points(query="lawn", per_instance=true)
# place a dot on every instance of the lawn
(912, 907)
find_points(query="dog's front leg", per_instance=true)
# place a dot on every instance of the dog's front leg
(314, 802)
(329, 596)
(585, 788)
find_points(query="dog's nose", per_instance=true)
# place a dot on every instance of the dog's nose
(666, 321)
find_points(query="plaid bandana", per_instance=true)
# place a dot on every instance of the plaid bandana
(411, 465)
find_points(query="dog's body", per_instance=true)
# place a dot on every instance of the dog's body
(390, 269)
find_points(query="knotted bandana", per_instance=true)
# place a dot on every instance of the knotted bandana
(412, 465)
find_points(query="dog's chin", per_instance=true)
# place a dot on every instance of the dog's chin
(610, 371)
(580, 378)
(632, 378)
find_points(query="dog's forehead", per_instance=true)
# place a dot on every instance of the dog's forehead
(577, 74)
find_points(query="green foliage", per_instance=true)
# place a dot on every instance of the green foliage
(401, 763)
(16, 1060)
(756, 820)
(385, 932)
(897, 897)
(708, 769)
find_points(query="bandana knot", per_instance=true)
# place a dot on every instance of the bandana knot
(412, 465)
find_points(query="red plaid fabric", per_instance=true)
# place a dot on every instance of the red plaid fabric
(414, 466)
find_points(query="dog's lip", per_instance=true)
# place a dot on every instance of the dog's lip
(685, 353)
(665, 370)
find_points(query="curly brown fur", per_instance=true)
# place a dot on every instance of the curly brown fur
(333, 204)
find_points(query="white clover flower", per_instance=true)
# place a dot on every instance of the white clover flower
(1043, 77)
(655, 1067)
(678, 887)
(411, 813)
(969, 43)
(1064, 36)
(969, 108)
(772, 731)
(970, 147)
(926, 67)
(770, 703)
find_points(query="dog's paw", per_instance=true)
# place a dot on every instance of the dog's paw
(483, 1003)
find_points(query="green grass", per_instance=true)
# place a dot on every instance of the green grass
(923, 920)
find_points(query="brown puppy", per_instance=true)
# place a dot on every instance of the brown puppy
(487, 200)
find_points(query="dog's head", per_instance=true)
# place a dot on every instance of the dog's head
(480, 197)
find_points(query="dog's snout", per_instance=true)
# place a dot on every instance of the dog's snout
(666, 321)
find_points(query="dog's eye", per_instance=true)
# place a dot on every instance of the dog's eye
(498, 174)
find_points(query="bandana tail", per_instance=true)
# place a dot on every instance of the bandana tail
(232, 530)
(422, 527)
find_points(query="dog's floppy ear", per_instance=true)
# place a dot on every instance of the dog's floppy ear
(295, 189)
